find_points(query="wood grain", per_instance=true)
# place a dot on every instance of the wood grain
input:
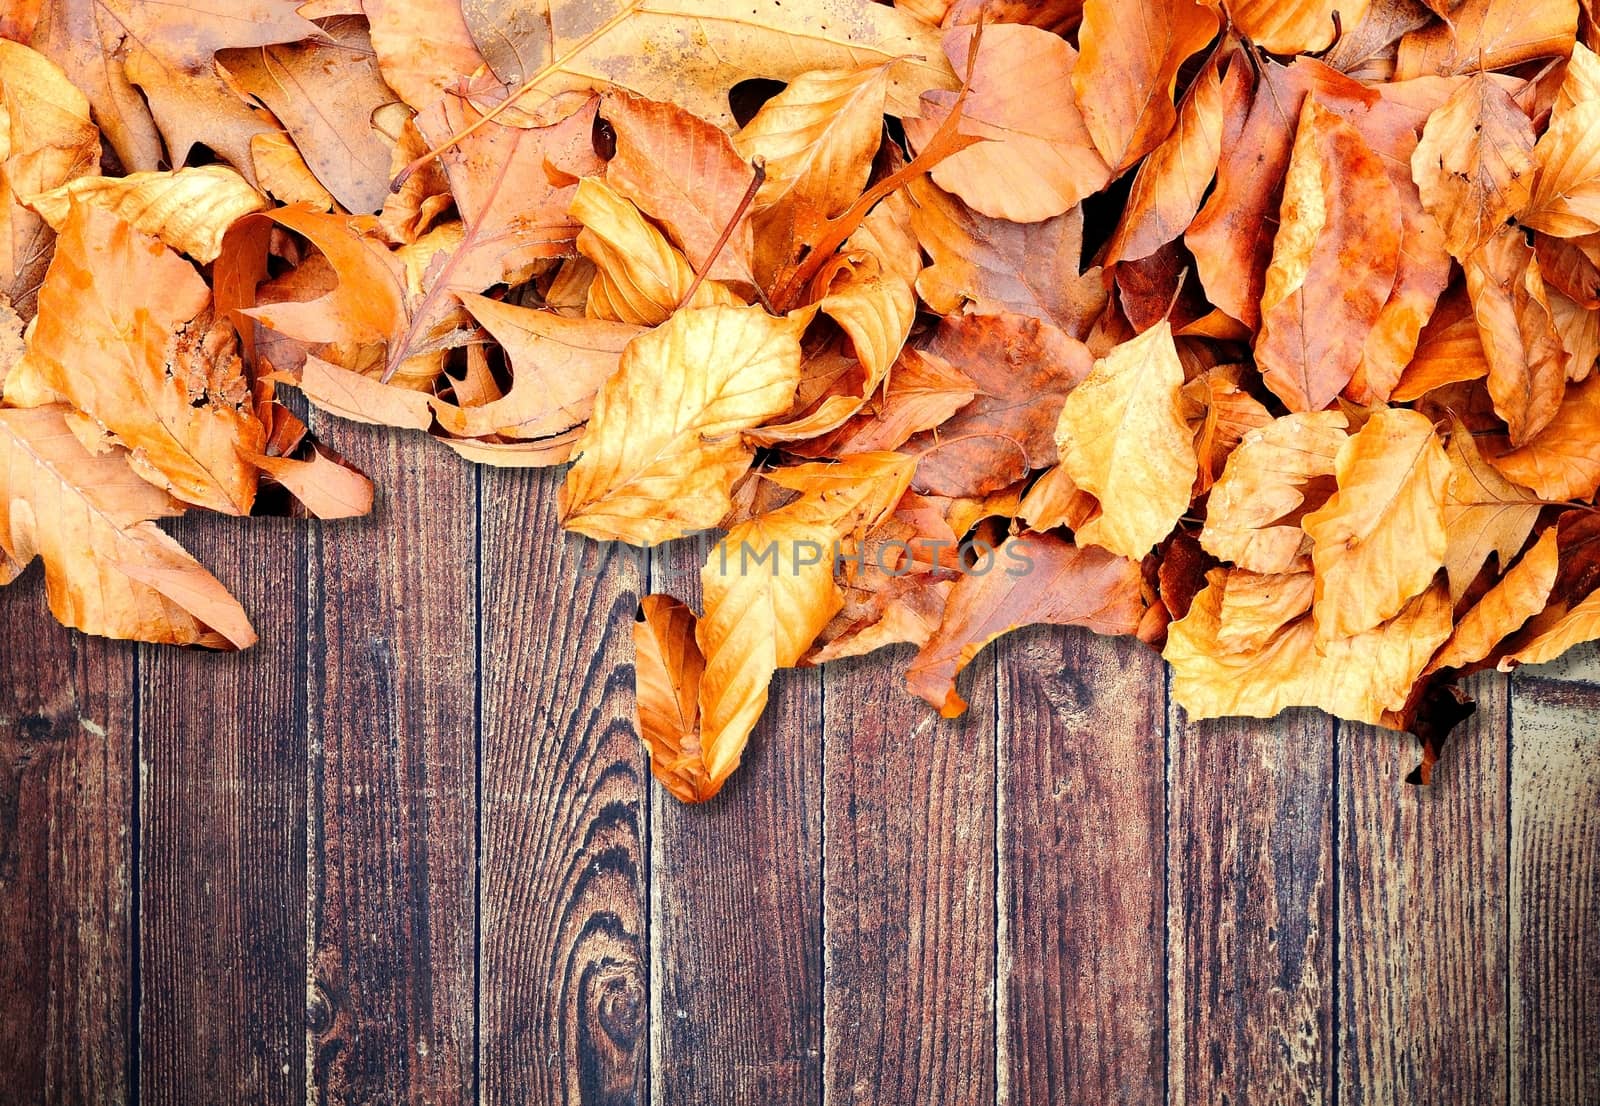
(908, 889)
(67, 875)
(1082, 854)
(1555, 893)
(390, 1005)
(222, 836)
(1422, 914)
(736, 908)
(565, 974)
(1250, 893)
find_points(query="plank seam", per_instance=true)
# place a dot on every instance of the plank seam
(1336, 1020)
(822, 893)
(1002, 928)
(477, 788)
(1512, 684)
(1166, 883)
(135, 1017)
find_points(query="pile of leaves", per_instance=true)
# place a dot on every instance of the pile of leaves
(1264, 330)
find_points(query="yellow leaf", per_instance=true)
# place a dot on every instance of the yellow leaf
(284, 175)
(1381, 538)
(818, 137)
(1561, 462)
(769, 592)
(1358, 678)
(109, 569)
(1522, 594)
(876, 307)
(663, 447)
(1265, 482)
(639, 277)
(1255, 607)
(1566, 189)
(1580, 624)
(1123, 439)
(852, 496)
(1484, 513)
(188, 209)
(46, 139)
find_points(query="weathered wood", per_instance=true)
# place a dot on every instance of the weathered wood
(908, 889)
(1250, 878)
(1082, 860)
(736, 908)
(67, 734)
(222, 836)
(564, 972)
(1423, 914)
(390, 1007)
(1555, 893)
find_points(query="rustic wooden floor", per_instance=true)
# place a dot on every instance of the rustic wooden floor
(405, 852)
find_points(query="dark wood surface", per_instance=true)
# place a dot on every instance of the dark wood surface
(407, 851)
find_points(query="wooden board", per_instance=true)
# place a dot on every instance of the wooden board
(1555, 893)
(390, 1003)
(222, 824)
(67, 858)
(1082, 861)
(1423, 914)
(908, 889)
(564, 984)
(1250, 923)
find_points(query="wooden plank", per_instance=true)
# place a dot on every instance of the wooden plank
(908, 889)
(736, 908)
(1082, 868)
(222, 836)
(392, 783)
(67, 734)
(1423, 914)
(1250, 893)
(1555, 893)
(565, 975)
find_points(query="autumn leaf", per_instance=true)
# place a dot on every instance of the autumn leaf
(109, 569)
(423, 47)
(1566, 190)
(1128, 68)
(1560, 463)
(1522, 593)
(669, 667)
(1474, 164)
(184, 416)
(1034, 579)
(1333, 264)
(1576, 626)
(1527, 364)
(769, 591)
(1123, 439)
(1038, 159)
(1251, 517)
(1381, 538)
(663, 448)
(1489, 34)
(188, 209)
(1294, 26)
(1484, 513)
(1361, 678)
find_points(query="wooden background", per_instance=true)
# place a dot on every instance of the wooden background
(406, 851)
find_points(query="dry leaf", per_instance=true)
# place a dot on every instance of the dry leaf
(1474, 164)
(1123, 439)
(188, 209)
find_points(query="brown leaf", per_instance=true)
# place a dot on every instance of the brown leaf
(686, 175)
(994, 265)
(1035, 579)
(1474, 165)
(1527, 364)
(1334, 262)
(1489, 34)
(668, 668)
(423, 47)
(1023, 370)
(1484, 513)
